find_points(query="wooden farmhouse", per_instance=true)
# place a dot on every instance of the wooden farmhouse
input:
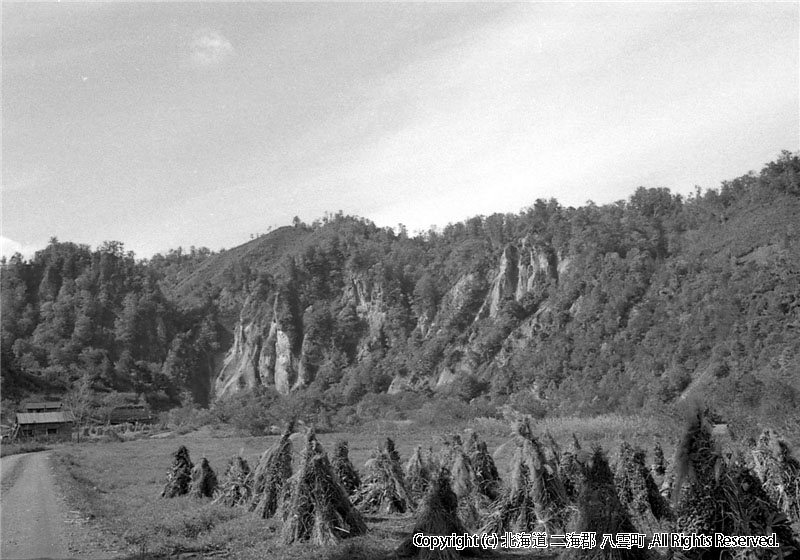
(44, 420)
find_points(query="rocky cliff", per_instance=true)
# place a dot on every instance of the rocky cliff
(597, 308)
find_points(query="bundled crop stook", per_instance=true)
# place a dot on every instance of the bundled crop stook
(204, 480)
(437, 515)
(344, 469)
(600, 511)
(779, 472)
(535, 499)
(236, 487)
(486, 475)
(384, 489)
(316, 507)
(273, 470)
(636, 489)
(715, 497)
(179, 476)
(418, 473)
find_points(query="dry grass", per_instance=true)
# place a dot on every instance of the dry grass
(117, 484)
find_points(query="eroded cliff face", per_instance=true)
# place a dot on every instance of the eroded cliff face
(261, 354)
(370, 307)
(264, 353)
(263, 350)
(521, 270)
(517, 274)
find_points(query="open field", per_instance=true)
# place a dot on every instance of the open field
(118, 485)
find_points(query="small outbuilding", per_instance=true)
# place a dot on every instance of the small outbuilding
(56, 425)
(131, 414)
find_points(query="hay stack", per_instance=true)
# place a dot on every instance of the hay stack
(535, 499)
(723, 498)
(273, 470)
(570, 469)
(471, 445)
(636, 489)
(344, 469)
(659, 467)
(452, 444)
(571, 472)
(779, 472)
(437, 516)
(753, 512)
(237, 484)
(391, 450)
(384, 489)
(465, 486)
(600, 511)
(204, 480)
(316, 507)
(700, 506)
(179, 476)
(553, 448)
(486, 476)
(418, 474)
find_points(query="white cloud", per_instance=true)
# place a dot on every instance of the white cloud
(210, 49)
(8, 247)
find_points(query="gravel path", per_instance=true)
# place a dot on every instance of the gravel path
(33, 514)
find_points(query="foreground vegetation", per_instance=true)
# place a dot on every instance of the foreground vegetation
(119, 484)
(21, 447)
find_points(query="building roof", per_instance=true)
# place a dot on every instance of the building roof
(47, 405)
(132, 413)
(43, 417)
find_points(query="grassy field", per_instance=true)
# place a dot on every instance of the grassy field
(24, 447)
(118, 485)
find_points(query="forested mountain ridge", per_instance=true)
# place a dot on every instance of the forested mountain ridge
(550, 310)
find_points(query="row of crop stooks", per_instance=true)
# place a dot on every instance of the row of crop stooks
(547, 490)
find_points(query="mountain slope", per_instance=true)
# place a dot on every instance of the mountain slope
(550, 310)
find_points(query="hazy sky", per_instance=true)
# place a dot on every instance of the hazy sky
(167, 124)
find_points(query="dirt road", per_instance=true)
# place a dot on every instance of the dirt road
(34, 516)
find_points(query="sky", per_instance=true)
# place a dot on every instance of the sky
(201, 124)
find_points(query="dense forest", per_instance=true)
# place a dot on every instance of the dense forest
(552, 310)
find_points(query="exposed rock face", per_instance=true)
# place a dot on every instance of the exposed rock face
(457, 300)
(504, 283)
(239, 369)
(369, 303)
(517, 274)
(264, 353)
(261, 354)
(283, 371)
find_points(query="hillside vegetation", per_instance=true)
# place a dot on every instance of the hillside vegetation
(551, 311)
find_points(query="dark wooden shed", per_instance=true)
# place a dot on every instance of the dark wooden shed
(56, 425)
